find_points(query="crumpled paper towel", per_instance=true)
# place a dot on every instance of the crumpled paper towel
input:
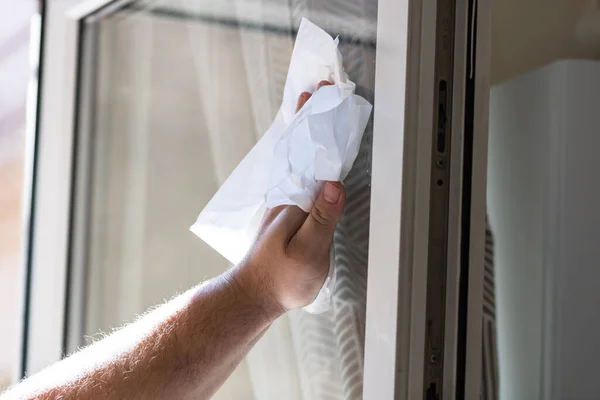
(300, 150)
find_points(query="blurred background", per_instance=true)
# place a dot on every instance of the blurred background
(15, 74)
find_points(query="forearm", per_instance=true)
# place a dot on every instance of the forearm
(184, 349)
(189, 346)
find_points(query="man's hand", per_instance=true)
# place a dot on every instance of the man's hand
(186, 348)
(288, 264)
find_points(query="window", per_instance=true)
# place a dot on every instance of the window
(148, 107)
(181, 93)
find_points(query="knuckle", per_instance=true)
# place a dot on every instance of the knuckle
(321, 217)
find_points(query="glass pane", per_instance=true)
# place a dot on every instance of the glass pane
(544, 225)
(183, 91)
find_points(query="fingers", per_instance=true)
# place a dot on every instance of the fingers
(314, 230)
(283, 221)
(304, 96)
(316, 233)
(302, 99)
(269, 217)
(323, 83)
(289, 221)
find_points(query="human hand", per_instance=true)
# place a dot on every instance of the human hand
(289, 261)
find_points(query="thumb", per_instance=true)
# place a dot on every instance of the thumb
(317, 230)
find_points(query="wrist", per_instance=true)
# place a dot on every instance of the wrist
(246, 279)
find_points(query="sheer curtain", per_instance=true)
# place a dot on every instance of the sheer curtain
(302, 356)
(184, 89)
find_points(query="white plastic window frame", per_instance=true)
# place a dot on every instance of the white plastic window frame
(399, 193)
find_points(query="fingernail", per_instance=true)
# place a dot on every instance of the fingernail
(331, 193)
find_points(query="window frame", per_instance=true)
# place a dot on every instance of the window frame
(49, 282)
(398, 240)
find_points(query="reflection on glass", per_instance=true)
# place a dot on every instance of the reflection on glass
(543, 202)
(184, 90)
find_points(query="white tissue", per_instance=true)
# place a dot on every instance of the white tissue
(299, 151)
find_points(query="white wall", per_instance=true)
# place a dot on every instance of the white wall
(576, 291)
(515, 192)
(14, 76)
(543, 205)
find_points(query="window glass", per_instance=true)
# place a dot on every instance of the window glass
(183, 90)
